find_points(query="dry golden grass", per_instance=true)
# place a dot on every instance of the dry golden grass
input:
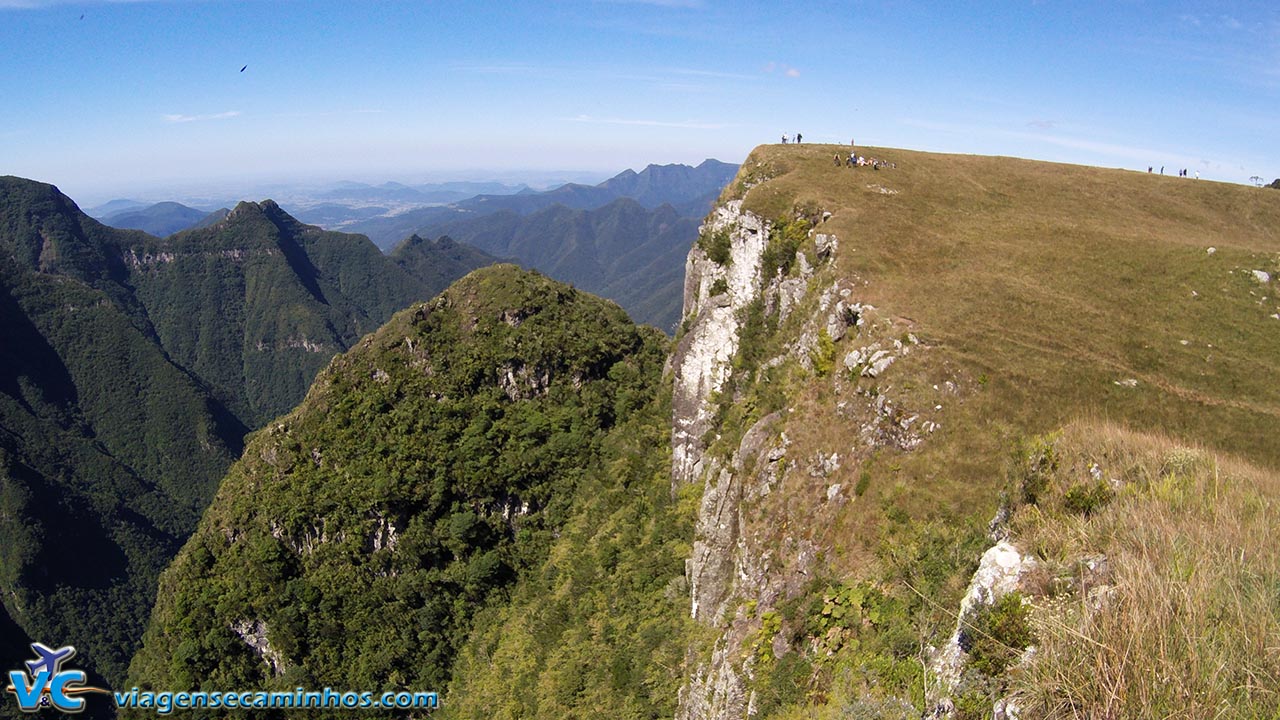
(1036, 287)
(1191, 625)
(1057, 296)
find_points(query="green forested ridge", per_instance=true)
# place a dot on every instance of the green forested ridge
(600, 628)
(430, 474)
(108, 453)
(257, 303)
(437, 262)
(623, 251)
(130, 370)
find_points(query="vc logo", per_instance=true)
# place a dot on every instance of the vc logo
(46, 684)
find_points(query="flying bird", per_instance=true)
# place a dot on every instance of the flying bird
(242, 69)
(81, 16)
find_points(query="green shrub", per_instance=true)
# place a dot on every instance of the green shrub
(997, 634)
(785, 238)
(864, 482)
(719, 287)
(824, 355)
(1086, 498)
(1037, 461)
(717, 245)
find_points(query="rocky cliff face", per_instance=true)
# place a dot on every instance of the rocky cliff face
(702, 361)
(729, 565)
(768, 319)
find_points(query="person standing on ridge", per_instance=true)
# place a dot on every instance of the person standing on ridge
(798, 136)
(784, 138)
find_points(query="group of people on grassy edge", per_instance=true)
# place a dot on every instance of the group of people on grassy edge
(856, 160)
(1181, 173)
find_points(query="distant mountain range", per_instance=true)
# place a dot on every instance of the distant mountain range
(624, 239)
(430, 193)
(689, 190)
(130, 371)
(161, 219)
(623, 251)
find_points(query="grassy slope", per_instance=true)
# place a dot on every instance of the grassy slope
(1051, 282)
(1034, 287)
(1190, 625)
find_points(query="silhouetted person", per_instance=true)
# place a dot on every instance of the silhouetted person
(798, 137)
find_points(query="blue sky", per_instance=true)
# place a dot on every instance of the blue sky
(149, 94)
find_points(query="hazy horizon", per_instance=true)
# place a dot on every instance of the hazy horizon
(104, 98)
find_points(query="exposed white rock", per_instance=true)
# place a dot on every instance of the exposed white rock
(385, 533)
(520, 381)
(715, 690)
(878, 363)
(999, 573)
(789, 292)
(1211, 250)
(701, 362)
(827, 244)
(821, 465)
(1005, 709)
(1262, 276)
(254, 633)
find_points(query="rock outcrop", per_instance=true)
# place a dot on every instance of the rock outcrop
(701, 362)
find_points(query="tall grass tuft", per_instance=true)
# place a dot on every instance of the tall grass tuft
(1188, 624)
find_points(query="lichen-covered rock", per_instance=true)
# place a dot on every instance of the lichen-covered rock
(701, 362)
(999, 573)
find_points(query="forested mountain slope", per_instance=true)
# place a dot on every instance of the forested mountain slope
(131, 368)
(432, 471)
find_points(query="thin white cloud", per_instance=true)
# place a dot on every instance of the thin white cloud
(503, 69)
(325, 113)
(41, 4)
(659, 3)
(176, 118)
(787, 70)
(711, 74)
(1042, 124)
(1141, 155)
(686, 124)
